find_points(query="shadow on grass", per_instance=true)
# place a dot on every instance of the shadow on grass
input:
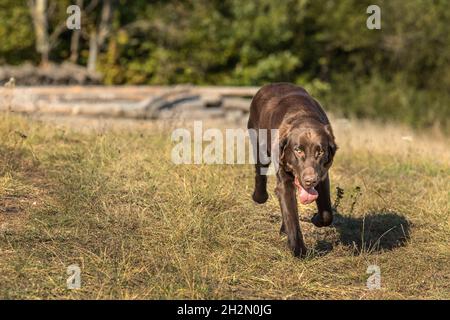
(16, 159)
(376, 231)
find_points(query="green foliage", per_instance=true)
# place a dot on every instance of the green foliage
(323, 45)
(16, 32)
(388, 101)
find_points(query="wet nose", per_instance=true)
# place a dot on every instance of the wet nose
(310, 180)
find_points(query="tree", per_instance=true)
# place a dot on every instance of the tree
(39, 14)
(75, 39)
(99, 34)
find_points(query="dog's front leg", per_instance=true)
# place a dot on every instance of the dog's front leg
(324, 215)
(285, 191)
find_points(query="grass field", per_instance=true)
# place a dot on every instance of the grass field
(108, 198)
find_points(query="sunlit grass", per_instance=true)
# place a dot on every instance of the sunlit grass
(110, 200)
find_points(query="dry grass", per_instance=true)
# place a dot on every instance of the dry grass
(109, 199)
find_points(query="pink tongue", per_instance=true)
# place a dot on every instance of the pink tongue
(306, 196)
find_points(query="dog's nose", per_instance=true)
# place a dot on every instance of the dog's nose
(310, 180)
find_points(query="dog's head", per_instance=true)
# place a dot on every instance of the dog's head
(307, 153)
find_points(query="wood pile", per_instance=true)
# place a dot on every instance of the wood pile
(139, 102)
(52, 74)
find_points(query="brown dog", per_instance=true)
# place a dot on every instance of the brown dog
(307, 147)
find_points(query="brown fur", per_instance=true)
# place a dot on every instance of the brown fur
(307, 147)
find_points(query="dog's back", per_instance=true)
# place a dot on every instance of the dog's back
(274, 101)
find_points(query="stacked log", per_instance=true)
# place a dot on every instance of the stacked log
(138, 102)
(52, 74)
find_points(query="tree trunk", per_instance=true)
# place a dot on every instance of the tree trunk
(98, 38)
(39, 15)
(93, 52)
(75, 39)
(105, 22)
(74, 45)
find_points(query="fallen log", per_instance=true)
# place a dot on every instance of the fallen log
(209, 113)
(128, 92)
(52, 74)
(153, 105)
(127, 101)
(229, 103)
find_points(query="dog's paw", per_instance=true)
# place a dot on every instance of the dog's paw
(260, 197)
(283, 229)
(323, 219)
(300, 252)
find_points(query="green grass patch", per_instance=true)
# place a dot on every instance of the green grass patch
(141, 227)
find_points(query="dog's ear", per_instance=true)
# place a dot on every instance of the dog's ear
(332, 147)
(283, 139)
(282, 145)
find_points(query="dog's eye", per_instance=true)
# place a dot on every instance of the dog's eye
(319, 153)
(298, 149)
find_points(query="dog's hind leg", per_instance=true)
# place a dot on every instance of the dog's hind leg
(260, 194)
